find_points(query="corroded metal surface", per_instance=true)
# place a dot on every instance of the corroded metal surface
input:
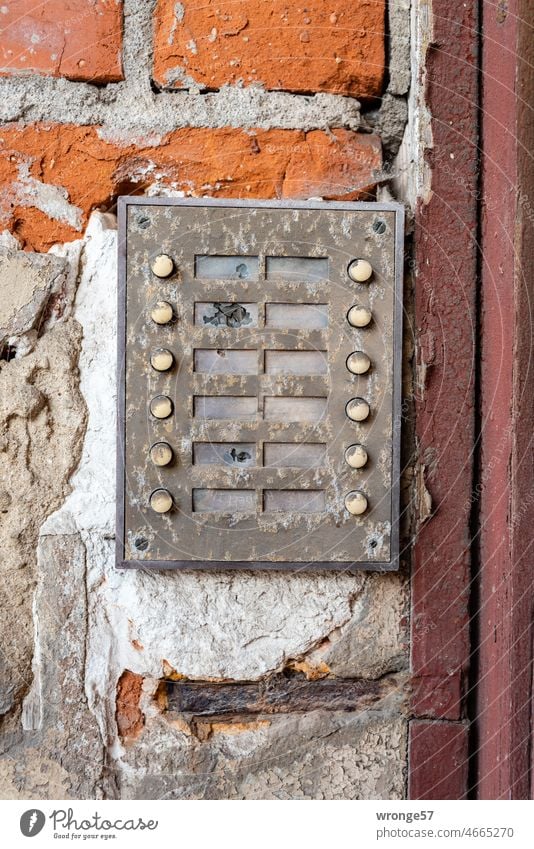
(250, 379)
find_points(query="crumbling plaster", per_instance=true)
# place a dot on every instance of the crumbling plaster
(200, 625)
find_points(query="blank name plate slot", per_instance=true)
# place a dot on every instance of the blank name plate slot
(224, 501)
(297, 268)
(294, 455)
(283, 409)
(293, 500)
(236, 267)
(270, 439)
(296, 362)
(296, 316)
(224, 361)
(225, 407)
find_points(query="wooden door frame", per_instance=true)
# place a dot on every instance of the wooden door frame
(505, 590)
(472, 575)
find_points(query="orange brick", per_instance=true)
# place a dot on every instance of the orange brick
(316, 46)
(78, 39)
(53, 176)
(130, 719)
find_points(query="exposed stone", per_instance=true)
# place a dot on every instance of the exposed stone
(27, 282)
(42, 418)
(80, 40)
(87, 172)
(276, 44)
(60, 734)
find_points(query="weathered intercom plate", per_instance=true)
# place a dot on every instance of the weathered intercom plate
(259, 344)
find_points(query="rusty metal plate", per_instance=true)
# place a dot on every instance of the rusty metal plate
(245, 454)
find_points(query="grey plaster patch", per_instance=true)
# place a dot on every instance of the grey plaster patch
(399, 12)
(27, 281)
(374, 641)
(389, 122)
(50, 199)
(318, 755)
(56, 712)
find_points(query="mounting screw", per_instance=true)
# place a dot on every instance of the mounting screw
(379, 227)
(141, 543)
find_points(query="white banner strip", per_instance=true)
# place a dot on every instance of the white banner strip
(267, 824)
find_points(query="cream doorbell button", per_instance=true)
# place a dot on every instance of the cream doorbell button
(357, 409)
(161, 454)
(161, 312)
(356, 503)
(360, 270)
(359, 316)
(161, 359)
(161, 407)
(356, 456)
(161, 501)
(358, 362)
(162, 266)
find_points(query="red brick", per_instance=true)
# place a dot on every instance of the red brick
(128, 714)
(334, 47)
(88, 173)
(77, 39)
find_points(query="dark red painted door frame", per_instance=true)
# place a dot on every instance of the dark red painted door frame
(504, 669)
(446, 331)
(472, 595)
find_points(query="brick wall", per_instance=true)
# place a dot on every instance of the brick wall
(67, 148)
(100, 98)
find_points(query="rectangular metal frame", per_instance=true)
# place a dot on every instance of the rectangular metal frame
(338, 566)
